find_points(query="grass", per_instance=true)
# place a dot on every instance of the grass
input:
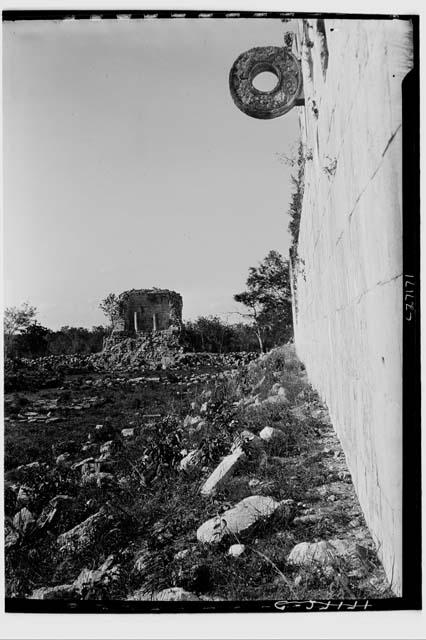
(154, 508)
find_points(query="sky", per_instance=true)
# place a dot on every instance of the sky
(127, 165)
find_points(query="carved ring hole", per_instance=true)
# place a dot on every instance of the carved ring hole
(265, 81)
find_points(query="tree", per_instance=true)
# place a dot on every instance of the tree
(16, 321)
(111, 307)
(268, 300)
(207, 333)
(33, 342)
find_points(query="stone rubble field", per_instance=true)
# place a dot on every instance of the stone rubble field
(219, 478)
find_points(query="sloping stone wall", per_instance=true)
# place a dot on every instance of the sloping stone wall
(348, 272)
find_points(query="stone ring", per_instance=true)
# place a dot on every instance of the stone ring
(266, 104)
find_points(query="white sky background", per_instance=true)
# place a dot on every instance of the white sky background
(127, 165)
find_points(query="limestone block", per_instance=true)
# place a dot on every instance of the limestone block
(81, 536)
(238, 519)
(270, 434)
(223, 471)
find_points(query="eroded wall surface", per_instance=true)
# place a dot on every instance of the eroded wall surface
(148, 310)
(348, 275)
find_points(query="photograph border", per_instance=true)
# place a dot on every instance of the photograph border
(411, 597)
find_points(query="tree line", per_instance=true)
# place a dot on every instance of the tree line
(265, 322)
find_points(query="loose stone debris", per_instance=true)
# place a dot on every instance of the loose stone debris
(174, 497)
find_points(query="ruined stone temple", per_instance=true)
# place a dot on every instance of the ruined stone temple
(147, 310)
(146, 329)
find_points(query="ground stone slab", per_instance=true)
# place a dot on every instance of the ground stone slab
(82, 535)
(238, 519)
(222, 472)
(326, 552)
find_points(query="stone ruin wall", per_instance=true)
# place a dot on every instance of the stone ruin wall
(146, 310)
(146, 330)
(348, 273)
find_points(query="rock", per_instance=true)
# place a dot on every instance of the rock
(264, 486)
(25, 495)
(142, 595)
(175, 594)
(101, 478)
(92, 580)
(191, 421)
(278, 390)
(11, 536)
(222, 472)
(249, 443)
(191, 461)
(200, 426)
(270, 434)
(23, 519)
(90, 448)
(281, 399)
(308, 519)
(30, 466)
(254, 482)
(235, 550)
(80, 465)
(64, 446)
(60, 592)
(345, 476)
(83, 534)
(238, 519)
(324, 553)
(108, 449)
(259, 384)
(46, 517)
(142, 560)
(63, 460)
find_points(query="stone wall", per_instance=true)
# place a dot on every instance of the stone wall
(348, 272)
(145, 310)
